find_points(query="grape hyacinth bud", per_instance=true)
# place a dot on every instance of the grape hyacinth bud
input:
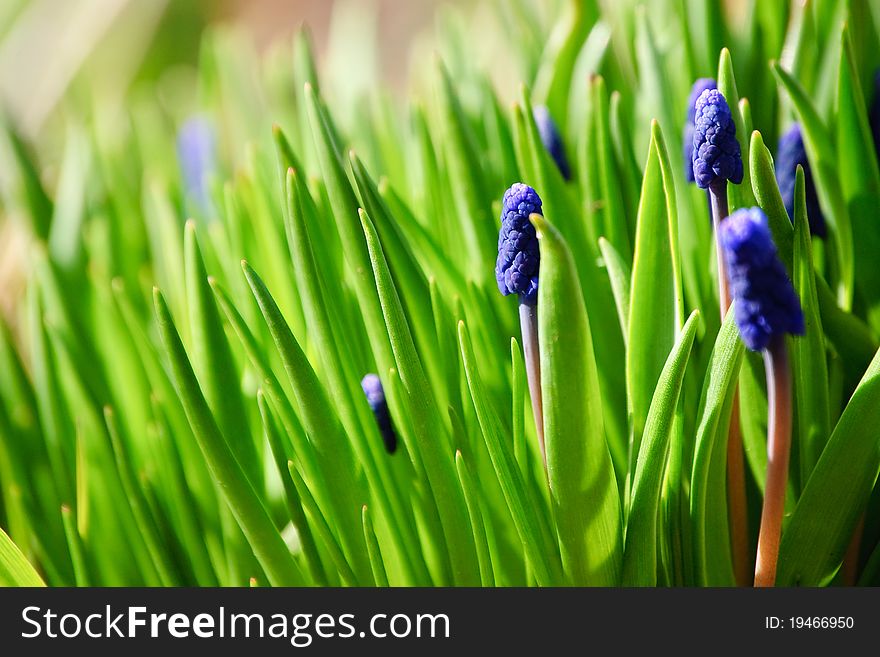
(372, 387)
(195, 152)
(716, 156)
(790, 153)
(699, 87)
(551, 139)
(766, 303)
(516, 269)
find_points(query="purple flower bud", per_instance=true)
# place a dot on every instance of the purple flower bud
(790, 153)
(372, 387)
(516, 269)
(699, 87)
(551, 139)
(716, 156)
(766, 303)
(196, 154)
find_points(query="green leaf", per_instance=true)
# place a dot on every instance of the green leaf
(849, 335)
(343, 383)
(214, 364)
(816, 538)
(247, 508)
(823, 160)
(640, 547)
(768, 197)
(466, 176)
(376, 562)
(580, 470)
(75, 547)
(322, 529)
(338, 485)
(540, 549)
(147, 528)
(859, 179)
(655, 291)
(487, 577)
(620, 276)
(432, 447)
(809, 367)
(15, 570)
(291, 496)
(708, 503)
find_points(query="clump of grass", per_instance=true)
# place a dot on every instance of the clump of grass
(181, 401)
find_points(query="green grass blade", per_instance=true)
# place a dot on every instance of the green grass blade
(487, 577)
(708, 500)
(620, 275)
(818, 533)
(214, 364)
(15, 570)
(640, 548)
(859, 179)
(291, 496)
(249, 511)
(585, 499)
(823, 160)
(322, 529)
(768, 197)
(337, 467)
(439, 464)
(532, 528)
(809, 366)
(655, 291)
(376, 561)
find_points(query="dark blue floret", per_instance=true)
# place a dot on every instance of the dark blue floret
(516, 269)
(195, 152)
(792, 152)
(766, 303)
(551, 139)
(372, 387)
(716, 156)
(699, 87)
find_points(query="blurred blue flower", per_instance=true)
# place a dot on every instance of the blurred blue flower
(516, 269)
(372, 387)
(551, 139)
(699, 87)
(766, 303)
(196, 152)
(716, 156)
(790, 153)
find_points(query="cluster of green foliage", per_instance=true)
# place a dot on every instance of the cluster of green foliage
(211, 430)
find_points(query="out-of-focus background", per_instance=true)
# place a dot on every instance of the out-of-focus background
(50, 48)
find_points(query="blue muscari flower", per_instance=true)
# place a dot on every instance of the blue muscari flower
(790, 153)
(551, 139)
(716, 156)
(699, 87)
(196, 154)
(372, 387)
(766, 303)
(516, 269)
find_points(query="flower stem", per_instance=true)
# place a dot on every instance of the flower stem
(528, 319)
(720, 210)
(778, 445)
(736, 477)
